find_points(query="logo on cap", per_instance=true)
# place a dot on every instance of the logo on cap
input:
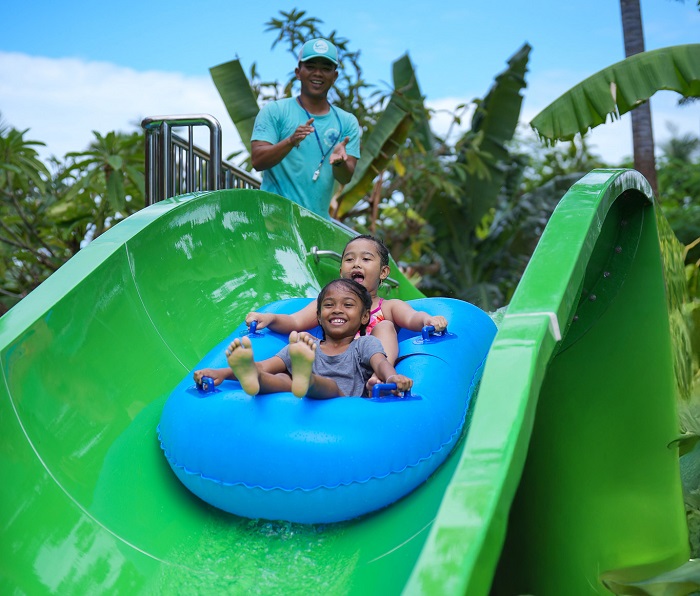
(321, 47)
(318, 48)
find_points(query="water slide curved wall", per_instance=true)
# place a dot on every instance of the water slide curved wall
(565, 473)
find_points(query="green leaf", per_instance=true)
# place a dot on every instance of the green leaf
(404, 110)
(679, 582)
(386, 137)
(407, 89)
(238, 97)
(11, 168)
(398, 166)
(68, 212)
(116, 162)
(459, 219)
(115, 192)
(137, 178)
(493, 125)
(620, 88)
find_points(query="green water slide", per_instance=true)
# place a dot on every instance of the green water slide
(568, 473)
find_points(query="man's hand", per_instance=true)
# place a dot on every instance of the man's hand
(302, 131)
(339, 155)
(343, 164)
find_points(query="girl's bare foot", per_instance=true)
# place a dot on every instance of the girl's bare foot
(302, 351)
(240, 358)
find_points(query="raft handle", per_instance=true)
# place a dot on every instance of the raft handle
(206, 385)
(428, 335)
(252, 330)
(379, 387)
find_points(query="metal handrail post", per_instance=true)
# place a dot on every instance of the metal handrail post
(190, 160)
(161, 163)
(166, 162)
(151, 167)
(214, 172)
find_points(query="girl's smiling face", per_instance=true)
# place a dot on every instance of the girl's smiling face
(341, 312)
(362, 263)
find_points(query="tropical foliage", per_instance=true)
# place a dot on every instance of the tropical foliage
(679, 179)
(29, 251)
(433, 199)
(47, 213)
(461, 212)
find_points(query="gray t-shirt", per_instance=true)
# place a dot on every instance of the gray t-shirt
(350, 370)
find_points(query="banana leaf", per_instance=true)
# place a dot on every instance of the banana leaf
(618, 89)
(238, 97)
(679, 582)
(496, 120)
(456, 219)
(378, 150)
(390, 132)
(406, 85)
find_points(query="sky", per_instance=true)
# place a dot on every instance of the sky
(69, 68)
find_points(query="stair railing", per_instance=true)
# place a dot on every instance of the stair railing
(174, 165)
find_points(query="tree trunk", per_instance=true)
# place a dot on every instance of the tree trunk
(642, 135)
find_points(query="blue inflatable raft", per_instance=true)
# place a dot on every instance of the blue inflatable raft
(317, 461)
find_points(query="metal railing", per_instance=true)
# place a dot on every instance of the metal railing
(174, 165)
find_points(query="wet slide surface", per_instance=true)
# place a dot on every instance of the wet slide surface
(88, 359)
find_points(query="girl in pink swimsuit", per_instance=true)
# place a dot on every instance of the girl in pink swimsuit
(375, 316)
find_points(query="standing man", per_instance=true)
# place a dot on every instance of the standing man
(303, 144)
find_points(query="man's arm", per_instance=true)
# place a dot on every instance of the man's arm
(264, 155)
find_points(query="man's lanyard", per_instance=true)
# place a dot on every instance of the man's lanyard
(317, 173)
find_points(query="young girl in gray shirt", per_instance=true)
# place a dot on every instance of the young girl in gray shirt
(340, 364)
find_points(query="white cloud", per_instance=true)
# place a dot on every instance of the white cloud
(63, 100)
